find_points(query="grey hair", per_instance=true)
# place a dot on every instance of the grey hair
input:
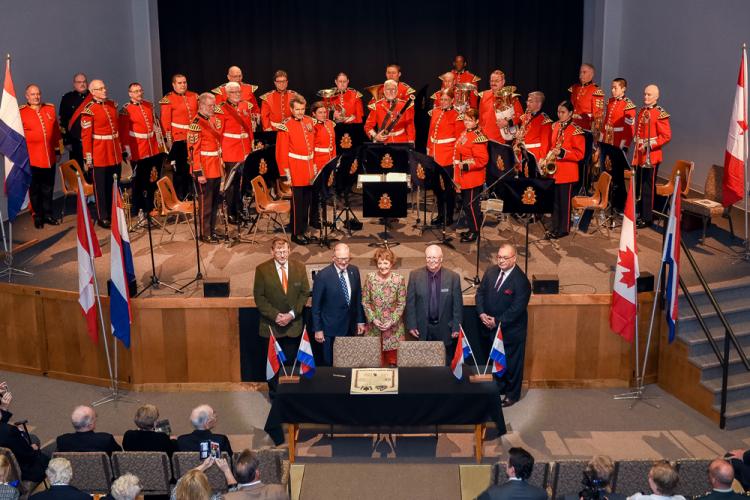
(126, 487)
(200, 416)
(232, 85)
(59, 471)
(82, 417)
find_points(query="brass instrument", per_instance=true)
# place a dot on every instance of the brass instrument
(504, 109)
(519, 144)
(164, 147)
(462, 93)
(386, 130)
(547, 166)
(376, 91)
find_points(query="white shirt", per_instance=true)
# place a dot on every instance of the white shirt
(499, 283)
(285, 267)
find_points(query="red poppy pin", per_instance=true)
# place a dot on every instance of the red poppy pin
(508, 292)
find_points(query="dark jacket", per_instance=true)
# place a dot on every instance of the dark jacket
(514, 490)
(508, 305)
(721, 495)
(192, 441)
(32, 462)
(87, 441)
(450, 304)
(140, 440)
(330, 313)
(61, 492)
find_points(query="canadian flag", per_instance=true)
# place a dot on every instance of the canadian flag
(734, 156)
(622, 315)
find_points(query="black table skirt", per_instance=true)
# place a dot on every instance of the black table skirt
(427, 396)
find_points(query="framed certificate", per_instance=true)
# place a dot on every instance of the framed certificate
(374, 381)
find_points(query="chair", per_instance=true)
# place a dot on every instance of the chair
(539, 475)
(92, 471)
(68, 171)
(24, 487)
(171, 205)
(567, 477)
(693, 482)
(421, 353)
(631, 476)
(283, 189)
(274, 465)
(151, 467)
(710, 206)
(183, 461)
(357, 352)
(598, 202)
(267, 207)
(685, 169)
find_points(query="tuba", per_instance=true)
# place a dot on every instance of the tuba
(504, 110)
(376, 91)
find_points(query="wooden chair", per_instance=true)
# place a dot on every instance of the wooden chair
(171, 205)
(424, 353)
(685, 169)
(92, 471)
(68, 171)
(598, 202)
(710, 205)
(152, 468)
(357, 352)
(266, 207)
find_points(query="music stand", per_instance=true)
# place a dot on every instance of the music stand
(384, 198)
(501, 159)
(380, 158)
(349, 140)
(421, 168)
(619, 163)
(324, 185)
(526, 196)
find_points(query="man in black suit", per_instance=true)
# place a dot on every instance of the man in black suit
(203, 419)
(59, 474)
(337, 302)
(434, 303)
(520, 466)
(721, 476)
(30, 459)
(501, 299)
(85, 438)
(740, 460)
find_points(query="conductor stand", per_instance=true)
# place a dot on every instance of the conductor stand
(422, 169)
(384, 196)
(198, 273)
(323, 184)
(235, 175)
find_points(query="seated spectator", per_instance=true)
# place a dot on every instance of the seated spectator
(203, 419)
(84, 438)
(5, 398)
(597, 479)
(721, 476)
(249, 482)
(194, 484)
(520, 466)
(31, 461)
(7, 492)
(125, 487)
(59, 474)
(146, 438)
(663, 479)
(740, 460)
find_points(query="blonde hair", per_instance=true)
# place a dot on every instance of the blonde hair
(4, 468)
(146, 416)
(193, 486)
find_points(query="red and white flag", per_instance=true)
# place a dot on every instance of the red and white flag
(622, 315)
(86, 234)
(733, 188)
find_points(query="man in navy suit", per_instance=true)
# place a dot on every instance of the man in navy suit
(59, 474)
(502, 299)
(85, 438)
(520, 465)
(337, 302)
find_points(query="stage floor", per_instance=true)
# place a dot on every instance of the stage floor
(584, 264)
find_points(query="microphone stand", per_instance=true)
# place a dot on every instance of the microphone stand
(198, 274)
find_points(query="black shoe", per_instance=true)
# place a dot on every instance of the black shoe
(104, 223)
(213, 240)
(640, 224)
(311, 238)
(316, 225)
(437, 221)
(299, 240)
(469, 237)
(38, 223)
(231, 219)
(51, 221)
(449, 221)
(508, 402)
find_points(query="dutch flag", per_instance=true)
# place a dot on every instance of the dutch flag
(305, 356)
(121, 270)
(463, 351)
(13, 147)
(671, 257)
(497, 354)
(275, 357)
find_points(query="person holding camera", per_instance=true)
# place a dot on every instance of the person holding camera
(597, 481)
(470, 159)
(148, 436)
(31, 461)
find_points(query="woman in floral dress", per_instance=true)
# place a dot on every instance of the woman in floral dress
(384, 299)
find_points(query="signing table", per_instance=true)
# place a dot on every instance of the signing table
(426, 396)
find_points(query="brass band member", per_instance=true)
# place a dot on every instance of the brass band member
(619, 117)
(276, 104)
(446, 80)
(535, 131)
(652, 132)
(587, 98)
(204, 148)
(178, 109)
(446, 124)
(494, 114)
(460, 73)
(568, 148)
(470, 159)
(393, 72)
(347, 103)
(247, 92)
(391, 119)
(325, 151)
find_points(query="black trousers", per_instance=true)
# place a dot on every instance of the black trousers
(314, 206)
(208, 197)
(232, 192)
(41, 190)
(181, 179)
(445, 195)
(300, 216)
(289, 347)
(472, 212)
(512, 379)
(103, 178)
(143, 188)
(561, 208)
(646, 178)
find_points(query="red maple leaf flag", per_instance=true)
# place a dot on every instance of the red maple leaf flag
(623, 314)
(733, 188)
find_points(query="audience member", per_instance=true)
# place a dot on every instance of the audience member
(125, 487)
(203, 419)
(720, 477)
(59, 474)
(520, 465)
(85, 438)
(194, 484)
(663, 479)
(597, 481)
(740, 460)
(31, 461)
(145, 437)
(250, 484)
(7, 492)
(5, 398)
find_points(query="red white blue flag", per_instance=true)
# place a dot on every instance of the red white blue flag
(121, 270)
(305, 356)
(275, 357)
(671, 257)
(88, 249)
(13, 147)
(463, 351)
(497, 354)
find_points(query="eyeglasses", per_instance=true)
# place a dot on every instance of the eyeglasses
(505, 257)
(433, 258)
(97, 89)
(342, 259)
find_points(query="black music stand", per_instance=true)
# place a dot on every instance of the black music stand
(385, 158)
(524, 196)
(421, 169)
(264, 138)
(349, 140)
(501, 159)
(324, 185)
(384, 200)
(618, 163)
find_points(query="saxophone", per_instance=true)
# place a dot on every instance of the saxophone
(547, 166)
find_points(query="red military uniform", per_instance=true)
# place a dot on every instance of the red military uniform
(464, 77)
(446, 126)
(652, 128)
(137, 134)
(274, 108)
(247, 93)
(470, 157)
(619, 122)
(403, 92)
(237, 131)
(588, 104)
(403, 131)
(473, 99)
(325, 143)
(101, 149)
(538, 133)
(295, 153)
(177, 113)
(570, 138)
(204, 144)
(488, 115)
(350, 101)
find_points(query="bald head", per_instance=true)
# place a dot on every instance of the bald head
(720, 474)
(98, 90)
(234, 74)
(203, 417)
(433, 255)
(650, 95)
(83, 418)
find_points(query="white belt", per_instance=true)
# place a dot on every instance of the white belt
(444, 141)
(398, 132)
(209, 153)
(243, 135)
(105, 137)
(300, 157)
(138, 135)
(534, 145)
(180, 125)
(275, 124)
(618, 129)
(322, 150)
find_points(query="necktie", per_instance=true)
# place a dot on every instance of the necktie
(432, 304)
(342, 279)
(499, 281)
(284, 282)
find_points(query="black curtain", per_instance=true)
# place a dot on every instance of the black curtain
(536, 43)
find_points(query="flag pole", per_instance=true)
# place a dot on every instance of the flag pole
(301, 337)
(746, 186)
(471, 350)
